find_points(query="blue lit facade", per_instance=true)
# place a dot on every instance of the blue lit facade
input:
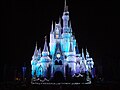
(63, 54)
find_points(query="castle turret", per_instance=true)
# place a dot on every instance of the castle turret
(89, 64)
(83, 62)
(66, 30)
(39, 53)
(45, 51)
(45, 59)
(51, 28)
(36, 51)
(70, 28)
(38, 65)
(60, 27)
(34, 61)
(87, 54)
(58, 31)
(71, 59)
(52, 41)
(89, 61)
(83, 56)
(65, 18)
(60, 22)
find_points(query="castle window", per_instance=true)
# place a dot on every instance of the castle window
(56, 62)
(60, 62)
(57, 36)
(57, 31)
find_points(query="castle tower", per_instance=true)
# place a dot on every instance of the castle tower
(57, 32)
(87, 54)
(52, 41)
(39, 54)
(70, 26)
(45, 51)
(38, 65)
(66, 30)
(65, 18)
(45, 59)
(89, 60)
(71, 60)
(34, 61)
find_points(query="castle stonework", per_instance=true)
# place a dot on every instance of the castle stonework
(63, 54)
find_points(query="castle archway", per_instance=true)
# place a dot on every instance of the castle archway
(58, 76)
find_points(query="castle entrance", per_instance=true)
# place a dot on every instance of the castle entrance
(58, 76)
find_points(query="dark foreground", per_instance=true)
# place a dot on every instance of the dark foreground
(59, 86)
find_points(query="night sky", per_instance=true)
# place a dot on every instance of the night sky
(94, 23)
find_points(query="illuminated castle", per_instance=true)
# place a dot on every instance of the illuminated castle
(63, 54)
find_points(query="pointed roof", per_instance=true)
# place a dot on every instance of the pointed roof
(58, 50)
(59, 20)
(36, 46)
(83, 54)
(52, 28)
(59, 23)
(70, 26)
(65, 7)
(39, 51)
(36, 51)
(45, 45)
(55, 25)
(87, 53)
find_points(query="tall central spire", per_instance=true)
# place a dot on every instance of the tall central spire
(65, 7)
(65, 18)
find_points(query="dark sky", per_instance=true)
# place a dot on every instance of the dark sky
(95, 24)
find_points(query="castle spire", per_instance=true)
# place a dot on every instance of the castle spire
(59, 20)
(55, 25)
(36, 51)
(83, 57)
(52, 28)
(45, 45)
(36, 46)
(87, 54)
(65, 7)
(39, 51)
(65, 18)
(45, 51)
(58, 50)
(70, 26)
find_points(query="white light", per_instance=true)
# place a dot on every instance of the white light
(58, 55)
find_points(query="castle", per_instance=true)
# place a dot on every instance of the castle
(63, 54)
